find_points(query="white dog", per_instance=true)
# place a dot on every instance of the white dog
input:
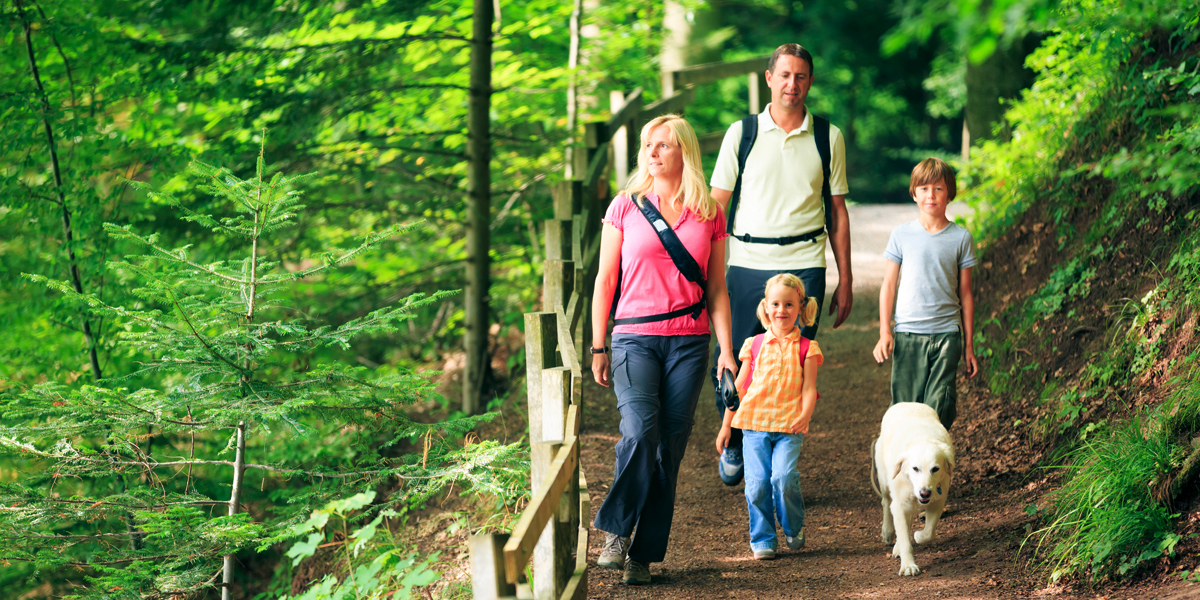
(911, 465)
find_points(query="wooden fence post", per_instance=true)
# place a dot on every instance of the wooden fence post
(558, 279)
(487, 567)
(541, 352)
(553, 560)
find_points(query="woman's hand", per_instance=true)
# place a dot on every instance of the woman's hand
(725, 362)
(600, 368)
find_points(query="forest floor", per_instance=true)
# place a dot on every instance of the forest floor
(975, 553)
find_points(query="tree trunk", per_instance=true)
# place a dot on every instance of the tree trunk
(572, 90)
(235, 497)
(1000, 76)
(479, 183)
(68, 232)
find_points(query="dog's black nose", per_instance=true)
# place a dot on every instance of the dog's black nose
(924, 494)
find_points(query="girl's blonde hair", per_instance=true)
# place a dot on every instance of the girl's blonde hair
(693, 190)
(808, 310)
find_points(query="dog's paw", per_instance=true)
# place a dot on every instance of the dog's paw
(923, 536)
(908, 569)
(888, 535)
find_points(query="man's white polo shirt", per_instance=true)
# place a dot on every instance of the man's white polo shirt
(781, 192)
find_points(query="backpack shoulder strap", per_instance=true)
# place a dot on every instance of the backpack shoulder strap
(804, 344)
(684, 261)
(821, 137)
(755, 346)
(749, 135)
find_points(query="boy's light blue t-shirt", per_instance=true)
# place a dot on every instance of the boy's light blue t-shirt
(927, 299)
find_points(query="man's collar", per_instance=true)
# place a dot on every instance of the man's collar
(766, 123)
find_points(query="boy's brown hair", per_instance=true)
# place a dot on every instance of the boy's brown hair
(932, 170)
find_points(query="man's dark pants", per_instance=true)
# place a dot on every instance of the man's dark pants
(746, 289)
(657, 380)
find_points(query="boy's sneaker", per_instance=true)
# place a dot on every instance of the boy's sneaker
(613, 554)
(764, 554)
(796, 543)
(636, 573)
(730, 466)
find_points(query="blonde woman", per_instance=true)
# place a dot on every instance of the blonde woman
(661, 336)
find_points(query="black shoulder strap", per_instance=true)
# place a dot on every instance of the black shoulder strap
(749, 135)
(684, 261)
(821, 137)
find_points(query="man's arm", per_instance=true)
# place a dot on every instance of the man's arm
(843, 296)
(722, 197)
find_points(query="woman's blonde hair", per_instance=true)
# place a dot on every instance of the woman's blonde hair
(808, 310)
(693, 190)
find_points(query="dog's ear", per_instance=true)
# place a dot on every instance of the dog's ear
(897, 465)
(948, 453)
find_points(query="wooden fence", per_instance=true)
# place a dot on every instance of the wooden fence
(553, 530)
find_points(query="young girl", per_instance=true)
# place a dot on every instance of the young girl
(777, 404)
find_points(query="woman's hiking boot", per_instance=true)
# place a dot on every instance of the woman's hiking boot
(613, 554)
(636, 573)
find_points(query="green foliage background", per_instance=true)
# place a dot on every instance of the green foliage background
(370, 96)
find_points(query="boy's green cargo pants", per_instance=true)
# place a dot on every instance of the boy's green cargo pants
(924, 366)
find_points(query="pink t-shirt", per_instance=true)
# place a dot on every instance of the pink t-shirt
(651, 284)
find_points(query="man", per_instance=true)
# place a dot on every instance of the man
(779, 221)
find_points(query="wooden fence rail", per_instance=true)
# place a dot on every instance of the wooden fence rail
(552, 532)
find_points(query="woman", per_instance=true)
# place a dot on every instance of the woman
(661, 338)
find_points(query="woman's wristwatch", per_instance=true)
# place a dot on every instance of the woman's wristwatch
(603, 350)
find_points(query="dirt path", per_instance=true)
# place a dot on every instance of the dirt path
(709, 555)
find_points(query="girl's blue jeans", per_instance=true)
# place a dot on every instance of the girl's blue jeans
(772, 485)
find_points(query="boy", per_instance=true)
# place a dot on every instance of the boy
(937, 256)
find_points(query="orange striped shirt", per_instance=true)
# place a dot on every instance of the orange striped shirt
(773, 401)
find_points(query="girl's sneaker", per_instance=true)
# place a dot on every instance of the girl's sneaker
(764, 554)
(613, 554)
(796, 543)
(729, 466)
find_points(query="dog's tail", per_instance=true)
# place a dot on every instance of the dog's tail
(874, 473)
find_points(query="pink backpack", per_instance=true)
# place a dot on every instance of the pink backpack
(757, 345)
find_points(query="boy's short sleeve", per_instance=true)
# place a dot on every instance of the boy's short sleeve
(966, 252)
(747, 346)
(814, 351)
(893, 252)
(616, 212)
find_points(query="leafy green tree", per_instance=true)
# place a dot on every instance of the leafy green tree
(117, 488)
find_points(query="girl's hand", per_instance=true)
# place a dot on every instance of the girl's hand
(600, 370)
(723, 439)
(725, 362)
(883, 349)
(800, 425)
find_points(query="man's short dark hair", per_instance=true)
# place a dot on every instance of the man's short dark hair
(791, 50)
